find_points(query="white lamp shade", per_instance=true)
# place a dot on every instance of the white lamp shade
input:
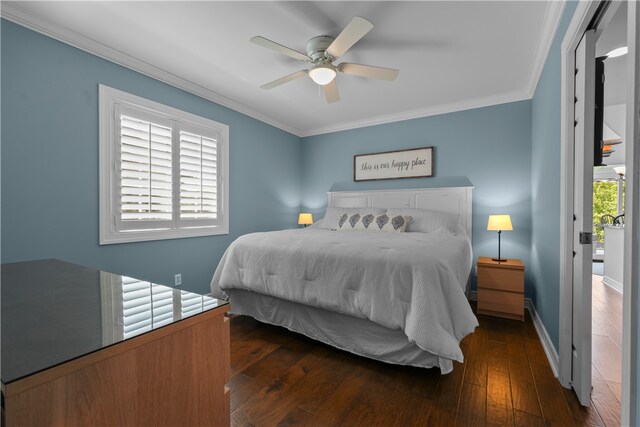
(305, 219)
(499, 223)
(322, 74)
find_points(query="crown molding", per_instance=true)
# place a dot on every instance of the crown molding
(550, 25)
(552, 18)
(423, 112)
(57, 32)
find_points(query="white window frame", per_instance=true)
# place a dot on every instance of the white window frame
(111, 102)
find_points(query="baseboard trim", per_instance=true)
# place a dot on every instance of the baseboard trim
(545, 339)
(543, 335)
(613, 284)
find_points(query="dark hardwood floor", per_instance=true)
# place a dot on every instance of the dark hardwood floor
(606, 372)
(282, 378)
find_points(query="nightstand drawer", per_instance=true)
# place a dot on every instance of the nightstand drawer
(501, 279)
(501, 302)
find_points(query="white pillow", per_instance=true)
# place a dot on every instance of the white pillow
(371, 222)
(317, 224)
(428, 221)
(333, 215)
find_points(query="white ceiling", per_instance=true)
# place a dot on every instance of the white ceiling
(614, 36)
(451, 55)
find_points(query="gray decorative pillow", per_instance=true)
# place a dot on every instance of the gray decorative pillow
(372, 222)
(381, 221)
(354, 219)
(393, 224)
(333, 215)
(367, 220)
(398, 222)
(342, 220)
(348, 221)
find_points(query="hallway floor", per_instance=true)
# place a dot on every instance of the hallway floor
(607, 351)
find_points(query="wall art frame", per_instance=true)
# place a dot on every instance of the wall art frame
(396, 164)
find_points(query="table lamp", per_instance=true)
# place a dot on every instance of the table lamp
(305, 219)
(499, 223)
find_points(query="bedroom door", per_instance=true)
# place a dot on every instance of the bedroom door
(583, 216)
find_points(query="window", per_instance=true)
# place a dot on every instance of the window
(608, 199)
(163, 172)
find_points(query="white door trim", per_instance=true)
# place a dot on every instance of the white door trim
(631, 276)
(581, 19)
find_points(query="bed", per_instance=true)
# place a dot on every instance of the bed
(395, 297)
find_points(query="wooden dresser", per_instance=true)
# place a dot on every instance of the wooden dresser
(501, 288)
(84, 347)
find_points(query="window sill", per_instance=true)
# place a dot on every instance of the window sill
(113, 237)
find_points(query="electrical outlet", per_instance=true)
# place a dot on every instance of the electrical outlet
(178, 281)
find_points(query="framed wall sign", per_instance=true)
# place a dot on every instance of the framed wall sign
(410, 163)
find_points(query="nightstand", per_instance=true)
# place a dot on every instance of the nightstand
(501, 288)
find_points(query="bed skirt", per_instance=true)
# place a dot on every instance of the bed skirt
(358, 336)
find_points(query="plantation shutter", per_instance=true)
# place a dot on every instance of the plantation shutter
(146, 177)
(199, 179)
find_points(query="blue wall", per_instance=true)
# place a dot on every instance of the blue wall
(545, 185)
(490, 146)
(50, 165)
(509, 152)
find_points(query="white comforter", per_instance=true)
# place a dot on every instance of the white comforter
(409, 281)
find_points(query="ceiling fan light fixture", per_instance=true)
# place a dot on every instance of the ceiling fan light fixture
(322, 74)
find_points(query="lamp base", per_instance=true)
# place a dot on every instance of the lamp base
(499, 259)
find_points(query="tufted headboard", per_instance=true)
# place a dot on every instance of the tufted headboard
(445, 199)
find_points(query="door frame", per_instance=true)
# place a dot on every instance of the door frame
(583, 15)
(631, 280)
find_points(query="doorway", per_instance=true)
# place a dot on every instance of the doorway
(588, 141)
(608, 215)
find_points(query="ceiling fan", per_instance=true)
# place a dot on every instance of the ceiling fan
(321, 52)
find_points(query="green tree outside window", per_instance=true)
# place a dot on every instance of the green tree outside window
(605, 201)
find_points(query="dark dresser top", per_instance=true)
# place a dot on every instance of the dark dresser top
(54, 311)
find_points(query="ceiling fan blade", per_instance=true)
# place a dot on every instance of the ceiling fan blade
(354, 31)
(285, 79)
(331, 92)
(368, 71)
(261, 41)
